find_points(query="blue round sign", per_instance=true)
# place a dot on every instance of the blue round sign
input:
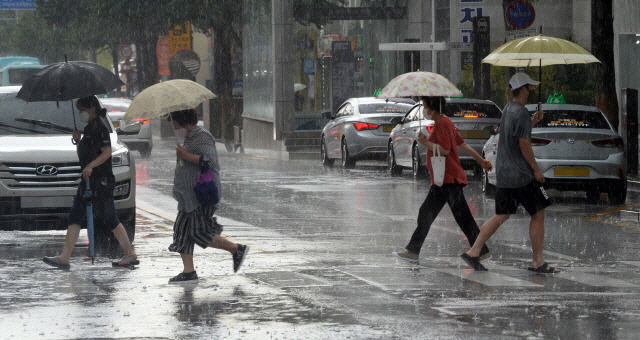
(520, 14)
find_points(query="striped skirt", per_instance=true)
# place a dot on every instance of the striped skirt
(196, 227)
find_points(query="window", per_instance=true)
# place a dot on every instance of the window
(573, 119)
(476, 110)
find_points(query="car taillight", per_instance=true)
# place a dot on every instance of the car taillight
(364, 126)
(470, 115)
(141, 120)
(429, 128)
(608, 143)
(539, 141)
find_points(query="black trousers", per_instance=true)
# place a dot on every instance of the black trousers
(436, 198)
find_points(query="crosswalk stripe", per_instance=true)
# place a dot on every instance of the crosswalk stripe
(632, 263)
(488, 278)
(593, 280)
(498, 279)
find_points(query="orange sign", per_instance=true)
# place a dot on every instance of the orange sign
(180, 37)
(164, 54)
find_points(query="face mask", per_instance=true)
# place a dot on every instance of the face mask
(181, 132)
(83, 116)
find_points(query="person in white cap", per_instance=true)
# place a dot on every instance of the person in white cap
(519, 179)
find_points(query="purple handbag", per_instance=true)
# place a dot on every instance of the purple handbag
(205, 187)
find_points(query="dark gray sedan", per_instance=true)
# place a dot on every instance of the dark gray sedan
(359, 129)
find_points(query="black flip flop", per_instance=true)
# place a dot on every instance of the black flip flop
(473, 262)
(545, 268)
(128, 264)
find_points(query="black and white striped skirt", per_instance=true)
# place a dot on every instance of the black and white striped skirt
(196, 227)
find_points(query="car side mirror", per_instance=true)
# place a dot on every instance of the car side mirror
(130, 128)
(396, 120)
(326, 115)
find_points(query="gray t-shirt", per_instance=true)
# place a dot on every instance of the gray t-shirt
(198, 142)
(512, 169)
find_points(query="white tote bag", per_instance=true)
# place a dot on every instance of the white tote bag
(437, 164)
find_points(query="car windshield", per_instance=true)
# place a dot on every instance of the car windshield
(384, 108)
(573, 119)
(472, 110)
(21, 117)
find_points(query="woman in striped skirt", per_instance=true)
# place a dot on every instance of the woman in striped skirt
(195, 223)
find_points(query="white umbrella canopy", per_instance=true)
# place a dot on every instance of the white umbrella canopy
(419, 84)
(162, 98)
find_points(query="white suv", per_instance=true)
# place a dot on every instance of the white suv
(40, 171)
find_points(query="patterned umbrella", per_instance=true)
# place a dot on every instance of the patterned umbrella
(418, 84)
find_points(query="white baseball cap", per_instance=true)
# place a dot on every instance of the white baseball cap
(520, 79)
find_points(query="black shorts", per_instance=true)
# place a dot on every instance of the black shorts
(532, 196)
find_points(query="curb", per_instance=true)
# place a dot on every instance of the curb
(633, 185)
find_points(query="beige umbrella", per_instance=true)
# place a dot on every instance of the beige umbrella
(162, 98)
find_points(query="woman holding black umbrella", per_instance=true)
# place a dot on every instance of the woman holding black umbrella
(94, 152)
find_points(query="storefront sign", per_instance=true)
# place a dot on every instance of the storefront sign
(520, 14)
(462, 14)
(17, 4)
(164, 54)
(180, 38)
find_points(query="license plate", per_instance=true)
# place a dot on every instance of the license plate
(46, 202)
(573, 171)
(387, 128)
(474, 134)
(116, 124)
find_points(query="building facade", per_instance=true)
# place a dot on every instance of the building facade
(293, 72)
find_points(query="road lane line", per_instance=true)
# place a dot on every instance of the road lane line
(596, 217)
(488, 278)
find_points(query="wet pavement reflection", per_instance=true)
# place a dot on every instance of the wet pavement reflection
(321, 267)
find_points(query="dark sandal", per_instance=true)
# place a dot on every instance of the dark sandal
(473, 262)
(545, 268)
(128, 262)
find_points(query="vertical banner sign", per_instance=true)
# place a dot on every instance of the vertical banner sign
(343, 73)
(164, 55)
(180, 38)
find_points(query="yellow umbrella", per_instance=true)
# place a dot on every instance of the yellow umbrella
(539, 51)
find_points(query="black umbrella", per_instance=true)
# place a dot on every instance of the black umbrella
(68, 80)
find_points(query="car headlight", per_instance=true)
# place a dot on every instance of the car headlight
(120, 157)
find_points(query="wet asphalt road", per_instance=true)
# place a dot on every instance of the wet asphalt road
(320, 266)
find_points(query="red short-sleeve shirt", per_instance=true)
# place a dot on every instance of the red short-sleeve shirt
(445, 134)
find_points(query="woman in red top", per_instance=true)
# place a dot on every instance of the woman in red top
(444, 137)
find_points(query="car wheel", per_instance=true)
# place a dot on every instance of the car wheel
(145, 151)
(487, 188)
(347, 161)
(392, 167)
(419, 170)
(618, 193)
(326, 161)
(593, 195)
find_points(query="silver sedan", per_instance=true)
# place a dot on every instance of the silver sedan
(359, 129)
(576, 149)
